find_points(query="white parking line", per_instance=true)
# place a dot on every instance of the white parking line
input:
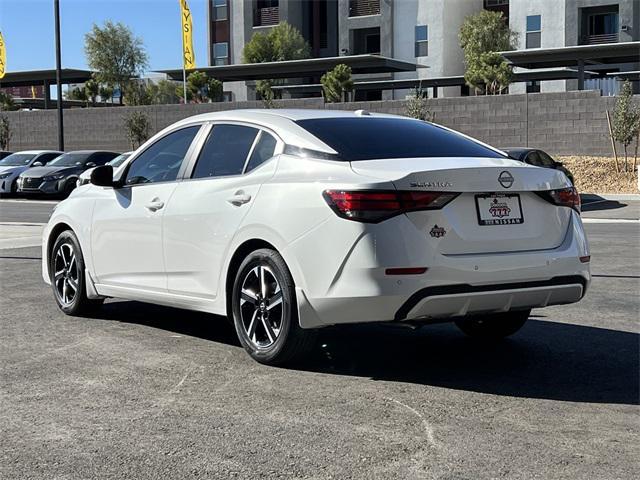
(20, 234)
(25, 200)
(23, 224)
(610, 220)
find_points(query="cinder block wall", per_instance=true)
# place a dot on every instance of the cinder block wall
(569, 123)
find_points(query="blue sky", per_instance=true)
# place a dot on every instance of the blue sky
(27, 27)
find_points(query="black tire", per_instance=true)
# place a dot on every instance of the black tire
(493, 326)
(68, 188)
(66, 256)
(254, 316)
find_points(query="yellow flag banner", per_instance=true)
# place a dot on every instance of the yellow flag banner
(188, 55)
(3, 56)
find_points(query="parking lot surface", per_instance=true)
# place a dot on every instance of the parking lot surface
(142, 391)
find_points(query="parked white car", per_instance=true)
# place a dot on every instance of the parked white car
(13, 165)
(117, 162)
(292, 220)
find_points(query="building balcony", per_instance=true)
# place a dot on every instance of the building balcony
(598, 39)
(265, 17)
(360, 8)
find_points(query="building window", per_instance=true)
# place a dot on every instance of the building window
(221, 53)
(361, 8)
(266, 13)
(601, 27)
(422, 41)
(533, 86)
(365, 40)
(534, 31)
(220, 11)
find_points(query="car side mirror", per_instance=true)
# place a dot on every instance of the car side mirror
(102, 176)
(37, 164)
(90, 164)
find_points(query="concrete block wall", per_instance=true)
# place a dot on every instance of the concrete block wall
(567, 123)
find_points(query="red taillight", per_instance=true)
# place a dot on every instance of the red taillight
(564, 197)
(376, 205)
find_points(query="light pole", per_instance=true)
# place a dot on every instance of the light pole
(56, 9)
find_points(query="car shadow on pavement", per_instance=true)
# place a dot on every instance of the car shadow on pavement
(183, 322)
(546, 359)
(591, 206)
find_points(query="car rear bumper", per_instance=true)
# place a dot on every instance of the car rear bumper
(460, 300)
(453, 285)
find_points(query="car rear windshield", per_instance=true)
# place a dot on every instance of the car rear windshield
(371, 138)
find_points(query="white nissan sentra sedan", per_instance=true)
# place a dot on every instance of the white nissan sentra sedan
(292, 220)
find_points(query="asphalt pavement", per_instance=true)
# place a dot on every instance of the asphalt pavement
(143, 391)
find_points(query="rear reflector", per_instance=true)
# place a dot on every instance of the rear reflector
(585, 259)
(373, 206)
(406, 271)
(564, 197)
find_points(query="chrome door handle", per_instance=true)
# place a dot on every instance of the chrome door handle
(239, 199)
(154, 205)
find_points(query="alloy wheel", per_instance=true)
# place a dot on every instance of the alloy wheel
(66, 275)
(261, 307)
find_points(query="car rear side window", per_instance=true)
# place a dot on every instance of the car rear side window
(371, 138)
(225, 151)
(262, 152)
(161, 161)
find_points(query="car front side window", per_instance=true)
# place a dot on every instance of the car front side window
(162, 160)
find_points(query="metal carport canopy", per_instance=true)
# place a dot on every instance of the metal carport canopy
(435, 82)
(39, 77)
(625, 52)
(360, 64)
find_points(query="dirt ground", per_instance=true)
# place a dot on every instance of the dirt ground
(598, 174)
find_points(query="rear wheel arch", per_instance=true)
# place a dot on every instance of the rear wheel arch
(238, 256)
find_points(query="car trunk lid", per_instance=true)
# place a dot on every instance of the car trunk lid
(497, 209)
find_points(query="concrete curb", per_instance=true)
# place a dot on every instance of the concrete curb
(594, 197)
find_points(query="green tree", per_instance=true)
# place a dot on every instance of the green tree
(5, 132)
(481, 36)
(79, 94)
(336, 83)
(626, 119)
(92, 89)
(196, 83)
(266, 92)
(167, 92)
(282, 42)
(137, 125)
(6, 102)
(214, 90)
(106, 92)
(140, 92)
(417, 105)
(115, 53)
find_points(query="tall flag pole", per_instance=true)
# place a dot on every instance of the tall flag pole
(3, 56)
(188, 55)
